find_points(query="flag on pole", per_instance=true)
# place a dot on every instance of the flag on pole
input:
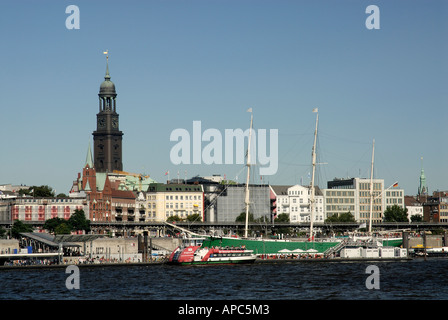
(167, 173)
(106, 52)
(249, 110)
(315, 110)
(395, 184)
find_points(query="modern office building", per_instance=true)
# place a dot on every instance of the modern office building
(353, 195)
(231, 202)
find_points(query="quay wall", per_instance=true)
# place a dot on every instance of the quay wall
(9, 245)
(111, 249)
(169, 244)
(432, 241)
(126, 246)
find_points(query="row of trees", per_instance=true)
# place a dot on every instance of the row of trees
(43, 191)
(190, 218)
(392, 214)
(76, 222)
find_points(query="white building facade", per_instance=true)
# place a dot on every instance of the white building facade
(295, 201)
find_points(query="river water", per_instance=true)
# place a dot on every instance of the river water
(405, 280)
(416, 279)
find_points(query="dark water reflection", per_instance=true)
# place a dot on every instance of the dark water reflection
(417, 279)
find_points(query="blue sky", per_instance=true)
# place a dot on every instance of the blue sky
(174, 62)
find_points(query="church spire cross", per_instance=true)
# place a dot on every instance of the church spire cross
(107, 76)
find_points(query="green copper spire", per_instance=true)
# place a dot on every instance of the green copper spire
(89, 158)
(423, 188)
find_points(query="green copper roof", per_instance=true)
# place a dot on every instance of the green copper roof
(142, 183)
(107, 87)
(100, 180)
(89, 158)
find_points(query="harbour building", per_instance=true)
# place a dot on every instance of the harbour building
(295, 201)
(231, 202)
(353, 195)
(168, 200)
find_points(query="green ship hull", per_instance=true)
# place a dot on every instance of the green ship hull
(392, 242)
(268, 246)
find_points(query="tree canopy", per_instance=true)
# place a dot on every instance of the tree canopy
(242, 217)
(282, 217)
(38, 191)
(395, 214)
(19, 227)
(174, 218)
(343, 217)
(76, 222)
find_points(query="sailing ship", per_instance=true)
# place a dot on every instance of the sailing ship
(265, 247)
(211, 247)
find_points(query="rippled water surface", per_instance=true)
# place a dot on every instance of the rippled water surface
(417, 279)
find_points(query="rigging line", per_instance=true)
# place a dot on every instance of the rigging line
(360, 160)
(332, 136)
(293, 134)
(382, 161)
(319, 161)
(294, 164)
(297, 141)
(211, 203)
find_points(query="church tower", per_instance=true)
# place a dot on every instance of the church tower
(107, 138)
(423, 188)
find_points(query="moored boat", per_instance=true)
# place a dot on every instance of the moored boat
(194, 252)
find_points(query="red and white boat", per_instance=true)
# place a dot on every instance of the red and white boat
(192, 252)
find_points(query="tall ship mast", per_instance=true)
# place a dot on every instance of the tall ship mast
(371, 188)
(246, 227)
(313, 158)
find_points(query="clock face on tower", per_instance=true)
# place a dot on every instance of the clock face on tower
(115, 123)
(101, 123)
